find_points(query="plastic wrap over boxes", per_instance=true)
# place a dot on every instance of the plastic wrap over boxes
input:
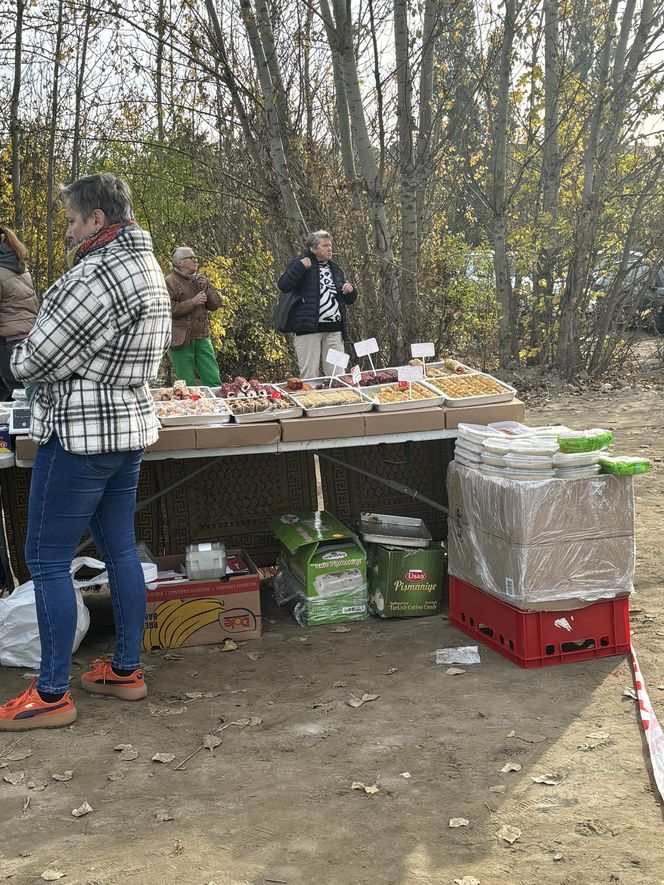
(323, 575)
(543, 545)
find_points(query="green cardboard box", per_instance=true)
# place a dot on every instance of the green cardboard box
(329, 564)
(405, 583)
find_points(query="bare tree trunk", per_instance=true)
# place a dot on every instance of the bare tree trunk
(159, 70)
(50, 181)
(425, 124)
(298, 227)
(550, 180)
(78, 101)
(343, 45)
(14, 123)
(506, 330)
(408, 184)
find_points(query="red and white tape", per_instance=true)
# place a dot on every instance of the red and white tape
(651, 727)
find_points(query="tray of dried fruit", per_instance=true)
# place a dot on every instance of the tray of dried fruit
(473, 390)
(403, 395)
(341, 400)
(252, 401)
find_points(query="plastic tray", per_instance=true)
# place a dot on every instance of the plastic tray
(509, 394)
(534, 639)
(276, 415)
(363, 405)
(406, 404)
(402, 531)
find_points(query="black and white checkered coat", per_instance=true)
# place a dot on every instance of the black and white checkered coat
(99, 338)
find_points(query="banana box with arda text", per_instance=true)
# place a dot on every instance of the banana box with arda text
(181, 613)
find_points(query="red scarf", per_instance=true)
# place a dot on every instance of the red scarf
(97, 241)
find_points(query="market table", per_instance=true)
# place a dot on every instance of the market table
(236, 488)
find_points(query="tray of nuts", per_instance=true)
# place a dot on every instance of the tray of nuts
(403, 395)
(473, 390)
(332, 401)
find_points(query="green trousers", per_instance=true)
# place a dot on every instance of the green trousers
(197, 358)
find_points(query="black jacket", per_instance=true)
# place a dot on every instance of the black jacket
(306, 282)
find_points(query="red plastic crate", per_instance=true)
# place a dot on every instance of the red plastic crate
(532, 639)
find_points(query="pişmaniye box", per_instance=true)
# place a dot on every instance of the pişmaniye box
(328, 563)
(405, 583)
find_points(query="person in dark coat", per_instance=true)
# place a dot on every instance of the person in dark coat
(319, 318)
(19, 305)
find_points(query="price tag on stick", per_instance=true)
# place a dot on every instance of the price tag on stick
(410, 373)
(366, 348)
(339, 359)
(356, 375)
(422, 351)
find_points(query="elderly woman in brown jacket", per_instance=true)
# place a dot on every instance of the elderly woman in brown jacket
(192, 297)
(18, 305)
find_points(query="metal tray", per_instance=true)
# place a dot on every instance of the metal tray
(276, 415)
(365, 404)
(450, 401)
(314, 382)
(406, 404)
(195, 420)
(402, 531)
(201, 391)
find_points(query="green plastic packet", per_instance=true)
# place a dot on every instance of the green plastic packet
(584, 440)
(624, 466)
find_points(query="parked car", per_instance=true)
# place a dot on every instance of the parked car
(653, 300)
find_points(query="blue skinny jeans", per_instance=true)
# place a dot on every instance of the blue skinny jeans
(68, 494)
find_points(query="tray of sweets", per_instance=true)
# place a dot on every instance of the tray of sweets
(297, 385)
(246, 410)
(474, 389)
(334, 401)
(180, 391)
(402, 531)
(403, 395)
(206, 410)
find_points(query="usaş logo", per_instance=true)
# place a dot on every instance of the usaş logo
(415, 574)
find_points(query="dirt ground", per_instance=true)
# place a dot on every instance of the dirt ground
(273, 802)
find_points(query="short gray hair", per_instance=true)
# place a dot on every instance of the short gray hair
(103, 191)
(178, 254)
(313, 240)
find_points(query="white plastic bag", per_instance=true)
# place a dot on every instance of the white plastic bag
(19, 633)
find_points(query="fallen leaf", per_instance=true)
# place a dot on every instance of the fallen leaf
(511, 734)
(358, 702)
(116, 775)
(253, 656)
(467, 880)
(552, 780)
(163, 757)
(228, 645)
(123, 747)
(659, 687)
(458, 822)
(598, 735)
(163, 815)
(630, 693)
(211, 741)
(497, 789)
(193, 695)
(18, 755)
(14, 778)
(454, 671)
(340, 630)
(37, 786)
(371, 791)
(52, 875)
(129, 755)
(509, 834)
(405, 774)
(510, 766)
(242, 723)
(173, 656)
(64, 777)
(85, 808)
(391, 671)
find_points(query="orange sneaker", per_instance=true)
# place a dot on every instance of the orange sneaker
(28, 710)
(102, 680)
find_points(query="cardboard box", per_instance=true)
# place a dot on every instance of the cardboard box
(328, 564)
(403, 422)
(6, 441)
(226, 435)
(510, 411)
(542, 577)
(25, 449)
(202, 612)
(332, 427)
(174, 439)
(405, 582)
(542, 512)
